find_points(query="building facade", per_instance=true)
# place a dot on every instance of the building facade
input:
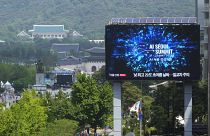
(97, 41)
(88, 64)
(202, 13)
(49, 31)
(95, 61)
(8, 97)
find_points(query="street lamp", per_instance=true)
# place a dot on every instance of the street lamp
(155, 87)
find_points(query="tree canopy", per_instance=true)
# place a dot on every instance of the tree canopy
(93, 101)
(27, 117)
(19, 76)
(62, 127)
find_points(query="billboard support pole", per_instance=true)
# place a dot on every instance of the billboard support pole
(117, 110)
(187, 109)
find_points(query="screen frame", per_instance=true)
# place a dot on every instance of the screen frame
(151, 78)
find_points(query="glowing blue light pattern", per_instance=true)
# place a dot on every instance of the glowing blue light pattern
(140, 57)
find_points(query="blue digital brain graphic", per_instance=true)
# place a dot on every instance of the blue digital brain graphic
(154, 48)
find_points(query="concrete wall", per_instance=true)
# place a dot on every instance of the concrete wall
(87, 66)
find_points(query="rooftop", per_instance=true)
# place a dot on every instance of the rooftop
(48, 28)
(100, 50)
(75, 33)
(22, 34)
(65, 47)
(1, 41)
(93, 58)
(69, 61)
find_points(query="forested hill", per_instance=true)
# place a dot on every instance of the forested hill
(86, 16)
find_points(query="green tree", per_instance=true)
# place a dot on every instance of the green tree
(28, 114)
(100, 75)
(19, 76)
(7, 122)
(93, 102)
(62, 127)
(59, 107)
(159, 119)
(168, 103)
(70, 14)
(130, 95)
(27, 117)
(200, 107)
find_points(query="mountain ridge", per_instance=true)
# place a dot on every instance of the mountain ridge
(87, 17)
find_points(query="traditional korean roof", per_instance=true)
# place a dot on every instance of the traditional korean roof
(7, 83)
(75, 33)
(1, 41)
(48, 28)
(69, 61)
(96, 54)
(65, 47)
(23, 34)
(93, 59)
(100, 50)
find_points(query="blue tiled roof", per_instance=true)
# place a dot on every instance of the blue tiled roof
(48, 28)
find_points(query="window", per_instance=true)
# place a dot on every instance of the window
(93, 69)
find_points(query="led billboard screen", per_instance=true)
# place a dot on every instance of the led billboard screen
(152, 51)
(64, 79)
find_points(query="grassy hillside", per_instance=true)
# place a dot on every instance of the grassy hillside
(86, 16)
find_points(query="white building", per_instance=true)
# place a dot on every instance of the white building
(49, 31)
(8, 97)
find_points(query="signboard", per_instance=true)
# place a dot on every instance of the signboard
(152, 51)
